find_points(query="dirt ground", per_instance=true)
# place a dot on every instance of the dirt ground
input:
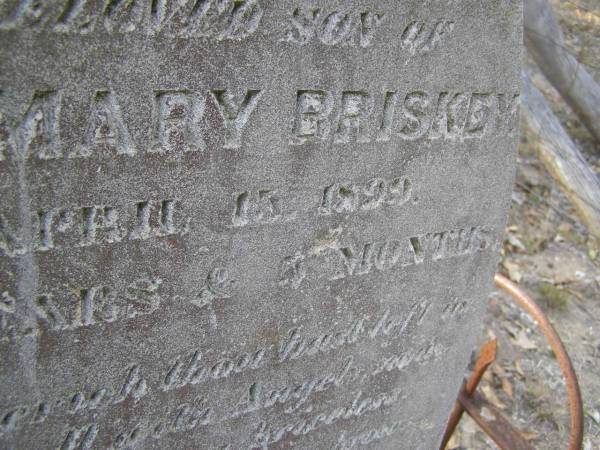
(549, 253)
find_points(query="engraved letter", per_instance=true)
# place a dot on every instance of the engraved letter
(142, 297)
(176, 122)
(10, 242)
(245, 18)
(106, 130)
(293, 271)
(7, 144)
(369, 22)
(414, 112)
(97, 304)
(82, 438)
(7, 308)
(123, 16)
(103, 219)
(508, 112)
(235, 117)
(358, 263)
(451, 116)
(478, 116)
(51, 222)
(302, 26)
(387, 117)
(38, 134)
(78, 16)
(312, 116)
(339, 198)
(47, 311)
(356, 109)
(335, 28)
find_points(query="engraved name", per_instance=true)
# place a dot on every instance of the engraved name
(179, 126)
(176, 127)
(361, 116)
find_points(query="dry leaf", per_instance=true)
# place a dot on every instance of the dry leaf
(523, 341)
(516, 243)
(511, 328)
(488, 376)
(530, 435)
(490, 394)
(454, 442)
(507, 387)
(514, 271)
(499, 370)
(595, 415)
(519, 369)
(565, 227)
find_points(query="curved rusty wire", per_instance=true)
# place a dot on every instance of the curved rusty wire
(574, 394)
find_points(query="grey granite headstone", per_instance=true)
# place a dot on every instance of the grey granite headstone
(236, 224)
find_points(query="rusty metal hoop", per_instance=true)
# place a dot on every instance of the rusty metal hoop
(499, 429)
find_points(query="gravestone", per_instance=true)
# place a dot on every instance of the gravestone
(248, 224)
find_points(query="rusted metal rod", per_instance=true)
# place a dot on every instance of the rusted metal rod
(498, 428)
(574, 394)
(487, 355)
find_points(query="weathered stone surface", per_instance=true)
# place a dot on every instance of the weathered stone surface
(247, 224)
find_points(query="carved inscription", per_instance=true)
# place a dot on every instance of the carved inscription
(216, 287)
(217, 20)
(345, 28)
(94, 305)
(83, 226)
(415, 115)
(347, 441)
(385, 255)
(325, 178)
(189, 370)
(177, 127)
(213, 19)
(133, 388)
(362, 404)
(269, 206)
(422, 37)
(348, 197)
(37, 134)
(69, 309)
(178, 123)
(259, 207)
(337, 261)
